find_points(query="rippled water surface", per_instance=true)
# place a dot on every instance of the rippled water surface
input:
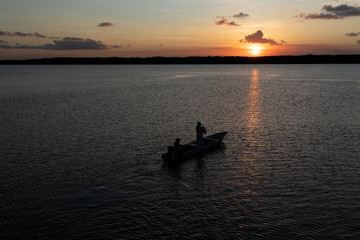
(81, 146)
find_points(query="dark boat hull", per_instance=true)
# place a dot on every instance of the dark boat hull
(191, 149)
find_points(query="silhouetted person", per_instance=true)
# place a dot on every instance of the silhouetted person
(177, 147)
(200, 130)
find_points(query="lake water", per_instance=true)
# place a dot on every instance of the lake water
(81, 152)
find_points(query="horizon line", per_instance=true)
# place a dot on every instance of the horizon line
(283, 59)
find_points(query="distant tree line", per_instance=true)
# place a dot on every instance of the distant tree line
(304, 59)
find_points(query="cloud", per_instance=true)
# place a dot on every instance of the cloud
(258, 37)
(225, 21)
(38, 35)
(67, 43)
(21, 34)
(20, 46)
(105, 24)
(353, 34)
(329, 12)
(343, 10)
(4, 46)
(55, 38)
(241, 15)
(75, 44)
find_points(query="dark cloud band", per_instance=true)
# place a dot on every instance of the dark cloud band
(105, 24)
(353, 34)
(225, 21)
(241, 15)
(67, 43)
(329, 12)
(258, 37)
(21, 34)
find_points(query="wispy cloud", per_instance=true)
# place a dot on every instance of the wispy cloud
(5, 46)
(241, 15)
(55, 38)
(38, 35)
(258, 37)
(67, 43)
(329, 12)
(225, 21)
(353, 34)
(105, 24)
(21, 34)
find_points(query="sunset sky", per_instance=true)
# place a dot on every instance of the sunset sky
(143, 28)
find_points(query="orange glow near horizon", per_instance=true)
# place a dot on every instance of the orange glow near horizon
(255, 50)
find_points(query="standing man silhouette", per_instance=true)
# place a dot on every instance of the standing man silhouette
(200, 130)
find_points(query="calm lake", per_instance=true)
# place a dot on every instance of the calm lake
(81, 152)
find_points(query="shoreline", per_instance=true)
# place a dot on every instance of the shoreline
(302, 59)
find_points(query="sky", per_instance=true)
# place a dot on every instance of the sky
(177, 28)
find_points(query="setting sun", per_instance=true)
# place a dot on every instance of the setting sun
(255, 50)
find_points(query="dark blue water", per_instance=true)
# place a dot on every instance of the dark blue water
(81, 147)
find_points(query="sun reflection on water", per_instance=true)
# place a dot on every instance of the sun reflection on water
(253, 112)
(253, 143)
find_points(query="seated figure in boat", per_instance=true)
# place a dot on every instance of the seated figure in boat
(174, 152)
(200, 130)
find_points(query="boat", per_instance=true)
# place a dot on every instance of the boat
(192, 149)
